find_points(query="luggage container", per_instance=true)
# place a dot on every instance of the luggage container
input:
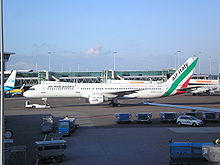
(47, 124)
(197, 115)
(123, 117)
(50, 151)
(210, 116)
(186, 153)
(144, 117)
(168, 116)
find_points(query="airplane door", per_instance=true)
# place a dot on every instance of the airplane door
(43, 90)
(77, 89)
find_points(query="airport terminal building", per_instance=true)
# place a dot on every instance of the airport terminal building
(32, 78)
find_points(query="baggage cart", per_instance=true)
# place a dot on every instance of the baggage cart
(50, 151)
(47, 124)
(123, 117)
(210, 116)
(197, 115)
(168, 116)
(143, 117)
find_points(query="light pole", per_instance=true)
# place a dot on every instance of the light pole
(178, 57)
(62, 67)
(175, 60)
(78, 67)
(49, 61)
(210, 66)
(114, 59)
(199, 62)
(2, 128)
(219, 64)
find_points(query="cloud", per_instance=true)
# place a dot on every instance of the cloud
(94, 51)
(21, 65)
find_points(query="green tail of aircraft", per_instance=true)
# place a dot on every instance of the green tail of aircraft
(180, 79)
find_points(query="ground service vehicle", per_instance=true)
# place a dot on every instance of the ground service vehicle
(189, 120)
(66, 126)
(50, 151)
(29, 105)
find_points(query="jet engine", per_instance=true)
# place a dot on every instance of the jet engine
(97, 99)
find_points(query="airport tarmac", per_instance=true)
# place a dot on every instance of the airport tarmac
(99, 139)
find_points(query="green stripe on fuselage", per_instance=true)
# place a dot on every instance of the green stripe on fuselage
(180, 78)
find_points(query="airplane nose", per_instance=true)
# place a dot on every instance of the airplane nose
(25, 94)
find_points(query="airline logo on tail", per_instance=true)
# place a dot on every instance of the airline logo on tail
(181, 77)
(180, 70)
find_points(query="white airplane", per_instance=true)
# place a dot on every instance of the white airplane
(204, 89)
(97, 93)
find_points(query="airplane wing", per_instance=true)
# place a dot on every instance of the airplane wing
(122, 93)
(205, 87)
(183, 107)
(189, 88)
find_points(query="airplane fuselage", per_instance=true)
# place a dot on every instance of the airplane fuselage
(63, 89)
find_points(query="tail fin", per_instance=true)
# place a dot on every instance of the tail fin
(11, 80)
(181, 77)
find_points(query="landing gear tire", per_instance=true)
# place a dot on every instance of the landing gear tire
(115, 103)
(179, 123)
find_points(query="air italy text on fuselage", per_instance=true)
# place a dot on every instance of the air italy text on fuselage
(60, 87)
(180, 70)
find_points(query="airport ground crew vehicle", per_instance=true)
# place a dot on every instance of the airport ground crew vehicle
(29, 105)
(66, 126)
(50, 151)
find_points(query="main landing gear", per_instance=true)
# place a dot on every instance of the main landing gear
(115, 103)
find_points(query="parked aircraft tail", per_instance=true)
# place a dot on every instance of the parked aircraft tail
(11, 80)
(181, 77)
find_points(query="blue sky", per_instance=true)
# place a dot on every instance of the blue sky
(145, 34)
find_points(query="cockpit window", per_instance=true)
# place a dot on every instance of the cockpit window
(31, 89)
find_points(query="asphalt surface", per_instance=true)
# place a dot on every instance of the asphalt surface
(99, 139)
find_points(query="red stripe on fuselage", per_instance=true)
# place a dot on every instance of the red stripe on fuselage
(185, 85)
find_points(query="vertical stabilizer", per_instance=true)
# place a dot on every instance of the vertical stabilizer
(11, 80)
(181, 77)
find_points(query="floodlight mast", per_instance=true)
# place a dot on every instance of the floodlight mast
(2, 129)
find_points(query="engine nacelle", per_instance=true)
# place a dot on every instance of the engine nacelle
(97, 99)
